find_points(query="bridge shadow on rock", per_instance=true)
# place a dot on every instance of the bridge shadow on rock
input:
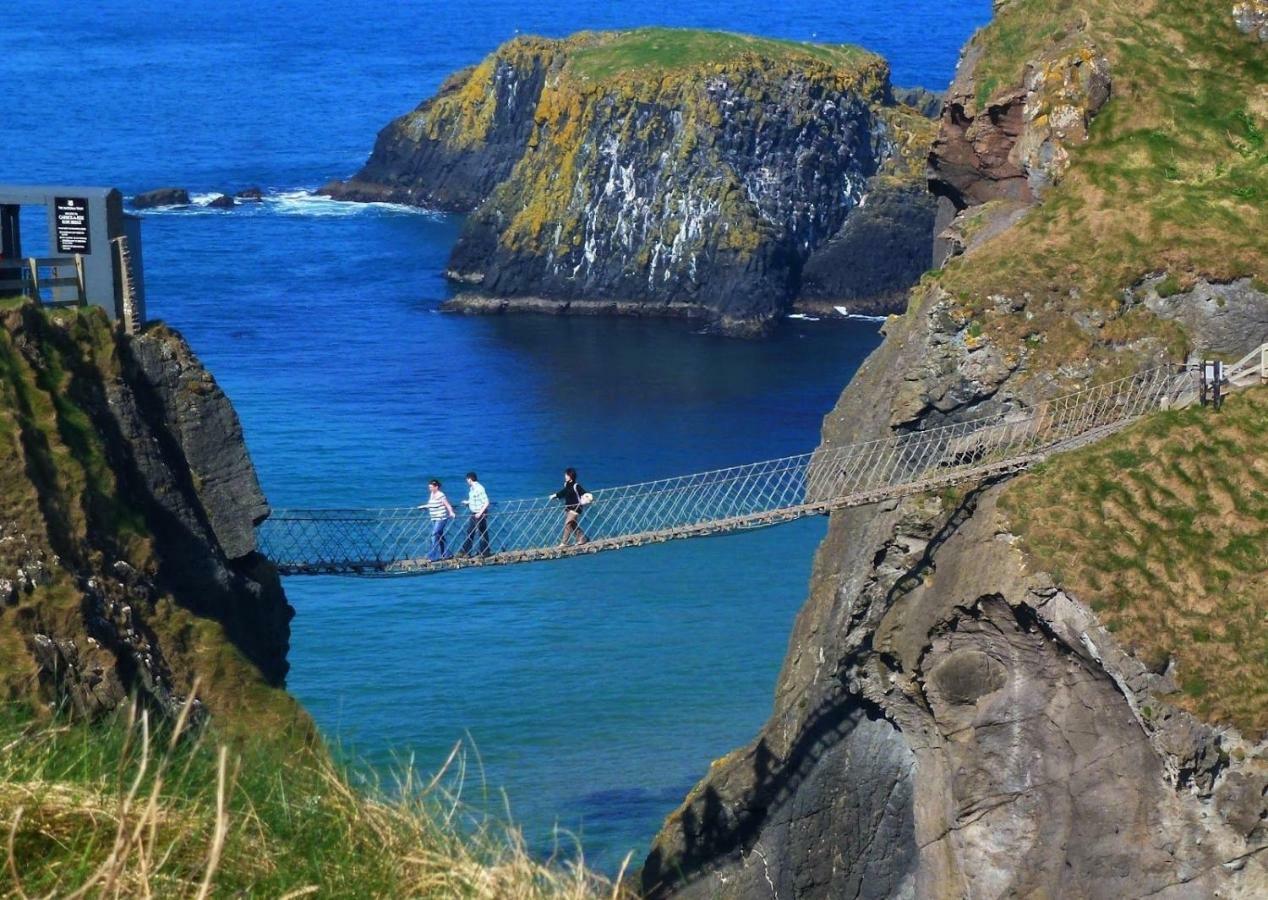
(713, 830)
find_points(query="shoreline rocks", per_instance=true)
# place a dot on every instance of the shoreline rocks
(170, 196)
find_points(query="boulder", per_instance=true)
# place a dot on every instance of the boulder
(169, 196)
(253, 194)
(224, 201)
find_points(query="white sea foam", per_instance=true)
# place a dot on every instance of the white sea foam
(849, 315)
(803, 317)
(293, 202)
(304, 202)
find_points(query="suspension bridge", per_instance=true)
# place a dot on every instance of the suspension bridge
(400, 541)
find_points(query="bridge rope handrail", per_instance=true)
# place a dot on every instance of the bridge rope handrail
(398, 540)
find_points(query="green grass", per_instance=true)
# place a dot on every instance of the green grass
(653, 50)
(119, 808)
(1163, 530)
(1173, 177)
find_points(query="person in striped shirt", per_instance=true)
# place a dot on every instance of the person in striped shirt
(477, 503)
(440, 511)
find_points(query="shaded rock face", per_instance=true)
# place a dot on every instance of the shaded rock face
(192, 462)
(439, 156)
(701, 191)
(814, 831)
(886, 243)
(130, 532)
(926, 102)
(161, 197)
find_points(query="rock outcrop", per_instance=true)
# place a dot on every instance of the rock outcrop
(687, 173)
(1251, 17)
(126, 526)
(951, 720)
(161, 197)
(1010, 142)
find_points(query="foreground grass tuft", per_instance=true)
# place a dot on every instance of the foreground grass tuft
(1163, 530)
(125, 810)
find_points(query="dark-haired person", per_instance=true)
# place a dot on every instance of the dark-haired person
(571, 494)
(440, 511)
(477, 503)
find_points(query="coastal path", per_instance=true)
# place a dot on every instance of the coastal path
(399, 541)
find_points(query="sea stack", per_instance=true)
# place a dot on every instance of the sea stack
(662, 172)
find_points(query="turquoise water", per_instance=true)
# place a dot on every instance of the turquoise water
(596, 690)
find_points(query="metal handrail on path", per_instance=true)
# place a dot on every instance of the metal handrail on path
(400, 541)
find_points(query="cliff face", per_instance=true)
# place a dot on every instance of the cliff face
(664, 172)
(955, 716)
(127, 550)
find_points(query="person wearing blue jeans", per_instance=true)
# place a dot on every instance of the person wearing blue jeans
(440, 511)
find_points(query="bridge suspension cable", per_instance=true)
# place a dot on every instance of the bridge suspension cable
(399, 541)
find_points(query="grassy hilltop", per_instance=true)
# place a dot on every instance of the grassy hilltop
(1163, 529)
(1173, 177)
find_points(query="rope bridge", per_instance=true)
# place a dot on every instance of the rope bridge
(399, 541)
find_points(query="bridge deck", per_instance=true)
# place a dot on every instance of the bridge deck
(401, 542)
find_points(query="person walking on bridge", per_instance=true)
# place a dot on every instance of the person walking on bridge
(477, 503)
(575, 498)
(440, 511)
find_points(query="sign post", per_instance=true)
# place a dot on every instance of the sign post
(72, 225)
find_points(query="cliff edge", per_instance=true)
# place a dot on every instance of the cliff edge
(127, 549)
(1015, 689)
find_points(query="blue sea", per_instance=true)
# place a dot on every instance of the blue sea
(592, 692)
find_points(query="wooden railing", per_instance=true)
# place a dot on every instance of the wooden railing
(32, 276)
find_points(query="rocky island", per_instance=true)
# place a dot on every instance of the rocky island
(669, 173)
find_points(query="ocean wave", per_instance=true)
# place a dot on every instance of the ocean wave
(290, 202)
(303, 202)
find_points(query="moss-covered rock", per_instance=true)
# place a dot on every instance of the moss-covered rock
(127, 552)
(681, 170)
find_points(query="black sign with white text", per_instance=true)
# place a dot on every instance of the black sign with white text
(72, 225)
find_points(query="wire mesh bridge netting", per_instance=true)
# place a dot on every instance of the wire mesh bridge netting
(402, 541)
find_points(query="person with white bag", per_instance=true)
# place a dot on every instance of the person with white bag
(575, 499)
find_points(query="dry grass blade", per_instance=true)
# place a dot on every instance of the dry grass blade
(222, 825)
